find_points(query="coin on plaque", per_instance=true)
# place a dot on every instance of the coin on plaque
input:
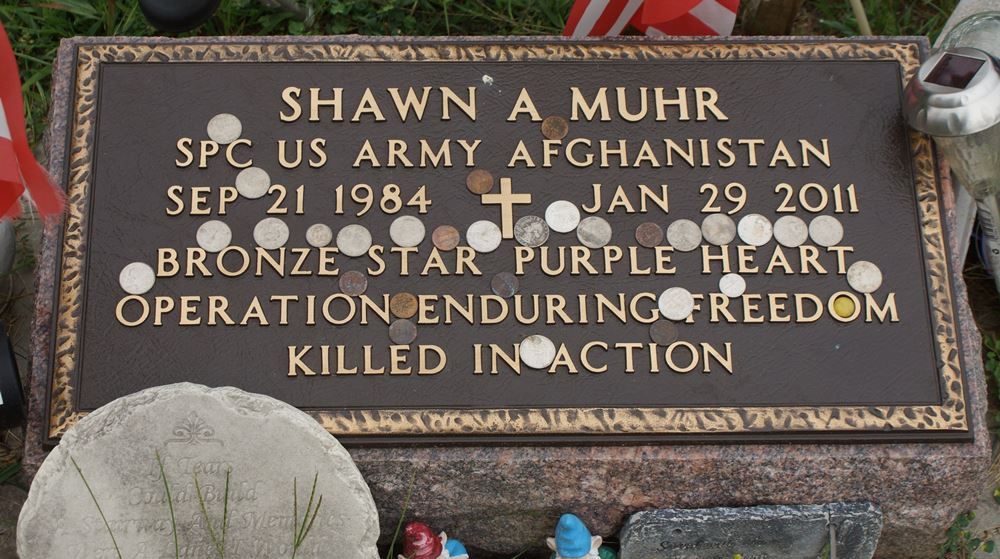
(562, 216)
(214, 235)
(663, 332)
(354, 240)
(270, 233)
(504, 285)
(537, 351)
(790, 231)
(445, 237)
(718, 229)
(594, 232)
(555, 127)
(403, 305)
(864, 277)
(649, 234)
(225, 128)
(353, 282)
(137, 278)
(402, 331)
(676, 303)
(319, 235)
(483, 236)
(755, 230)
(479, 181)
(826, 231)
(684, 235)
(531, 231)
(253, 182)
(407, 231)
(732, 285)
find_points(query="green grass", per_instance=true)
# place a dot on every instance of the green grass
(887, 17)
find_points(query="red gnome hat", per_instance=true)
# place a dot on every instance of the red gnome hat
(419, 542)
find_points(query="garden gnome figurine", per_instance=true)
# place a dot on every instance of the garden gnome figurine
(419, 542)
(573, 541)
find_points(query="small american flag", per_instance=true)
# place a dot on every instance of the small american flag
(652, 17)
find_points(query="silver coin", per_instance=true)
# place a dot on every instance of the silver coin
(676, 303)
(214, 235)
(270, 233)
(732, 285)
(483, 236)
(755, 230)
(562, 216)
(864, 277)
(407, 231)
(826, 231)
(537, 351)
(684, 235)
(531, 231)
(594, 232)
(224, 128)
(791, 231)
(137, 278)
(253, 182)
(319, 235)
(354, 240)
(718, 229)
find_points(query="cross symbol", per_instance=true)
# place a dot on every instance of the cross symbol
(506, 198)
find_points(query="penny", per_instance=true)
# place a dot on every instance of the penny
(483, 236)
(354, 240)
(676, 303)
(403, 305)
(649, 234)
(224, 128)
(555, 127)
(504, 285)
(353, 282)
(844, 306)
(791, 231)
(407, 231)
(663, 332)
(864, 277)
(594, 232)
(755, 230)
(253, 182)
(531, 231)
(732, 285)
(826, 231)
(718, 229)
(479, 181)
(445, 237)
(402, 331)
(319, 235)
(214, 235)
(537, 351)
(137, 278)
(684, 235)
(270, 233)
(562, 216)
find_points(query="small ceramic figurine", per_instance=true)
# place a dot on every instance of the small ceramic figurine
(419, 542)
(573, 541)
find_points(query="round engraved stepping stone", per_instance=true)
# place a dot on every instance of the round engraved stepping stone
(403, 305)
(826, 231)
(270, 233)
(224, 128)
(732, 285)
(791, 231)
(718, 229)
(649, 234)
(353, 282)
(684, 235)
(562, 216)
(446, 237)
(531, 231)
(253, 182)
(676, 303)
(555, 127)
(194, 428)
(402, 331)
(483, 236)
(137, 278)
(407, 231)
(755, 229)
(504, 285)
(479, 181)
(537, 351)
(354, 240)
(663, 332)
(214, 235)
(319, 235)
(864, 277)
(594, 232)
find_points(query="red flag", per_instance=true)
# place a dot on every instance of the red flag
(652, 17)
(18, 167)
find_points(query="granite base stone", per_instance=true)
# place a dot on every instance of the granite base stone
(503, 499)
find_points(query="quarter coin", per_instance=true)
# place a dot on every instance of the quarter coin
(407, 231)
(562, 216)
(531, 231)
(137, 278)
(224, 128)
(755, 230)
(650, 234)
(718, 229)
(445, 237)
(864, 277)
(504, 285)
(555, 127)
(594, 232)
(353, 282)
(253, 182)
(479, 181)
(214, 235)
(684, 235)
(790, 231)
(663, 332)
(270, 233)
(402, 331)
(732, 285)
(403, 305)
(483, 236)
(319, 235)
(537, 351)
(676, 303)
(826, 231)
(354, 240)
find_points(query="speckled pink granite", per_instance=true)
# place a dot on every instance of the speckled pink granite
(504, 499)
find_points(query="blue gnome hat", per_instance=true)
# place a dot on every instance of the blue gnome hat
(455, 549)
(572, 537)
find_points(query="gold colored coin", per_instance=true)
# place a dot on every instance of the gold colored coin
(403, 305)
(446, 237)
(479, 181)
(555, 127)
(843, 306)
